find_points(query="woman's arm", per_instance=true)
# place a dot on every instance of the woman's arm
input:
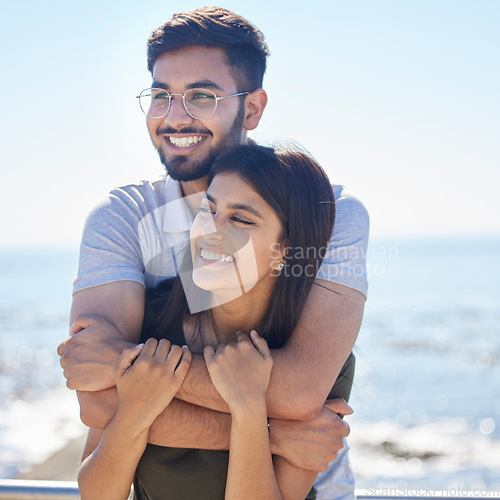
(253, 471)
(110, 460)
(147, 378)
(241, 373)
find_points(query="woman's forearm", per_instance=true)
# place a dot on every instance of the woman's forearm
(108, 471)
(251, 473)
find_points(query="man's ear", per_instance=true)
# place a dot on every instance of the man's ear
(255, 104)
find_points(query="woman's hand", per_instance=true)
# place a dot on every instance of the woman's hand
(240, 371)
(148, 376)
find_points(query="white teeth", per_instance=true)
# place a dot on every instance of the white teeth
(216, 257)
(184, 142)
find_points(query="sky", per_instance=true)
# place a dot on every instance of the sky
(397, 99)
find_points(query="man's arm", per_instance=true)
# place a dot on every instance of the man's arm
(308, 445)
(318, 348)
(180, 425)
(89, 358)
(121, 303)
(306, 367)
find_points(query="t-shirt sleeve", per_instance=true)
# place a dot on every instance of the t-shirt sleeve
(345, 259)
(110, 249)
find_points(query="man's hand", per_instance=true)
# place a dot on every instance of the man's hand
(90, 354)
(312, 445)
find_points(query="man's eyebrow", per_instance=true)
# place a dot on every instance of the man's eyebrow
(205, 84)
(237, 206)
(158, 85)
(202, 84)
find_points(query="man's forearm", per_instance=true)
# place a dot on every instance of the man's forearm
(181, 425)
(309, 445)
(305, 369)
(197, 388)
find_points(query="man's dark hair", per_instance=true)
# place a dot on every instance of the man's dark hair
(242, 42)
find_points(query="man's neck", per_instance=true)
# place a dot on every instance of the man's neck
(192, 187)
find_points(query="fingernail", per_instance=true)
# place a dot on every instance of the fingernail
(185, 347)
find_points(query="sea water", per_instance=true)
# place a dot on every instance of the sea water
(427, 388)
(38, 415)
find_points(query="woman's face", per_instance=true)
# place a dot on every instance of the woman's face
(234, 239)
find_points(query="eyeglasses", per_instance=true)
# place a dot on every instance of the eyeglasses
(198, 103)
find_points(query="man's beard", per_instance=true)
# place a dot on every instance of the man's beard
(182, 168)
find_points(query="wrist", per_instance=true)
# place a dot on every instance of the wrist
(136, 424)
(249, 410)
(121, 345)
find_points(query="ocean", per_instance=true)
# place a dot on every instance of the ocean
(427, 389)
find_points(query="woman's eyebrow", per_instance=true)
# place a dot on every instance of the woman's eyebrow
(237, 206)
(248, 208)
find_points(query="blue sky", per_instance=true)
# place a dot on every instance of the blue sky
(397, 99)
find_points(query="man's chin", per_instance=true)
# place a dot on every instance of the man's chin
(183, 169)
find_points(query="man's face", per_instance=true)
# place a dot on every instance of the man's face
(188, 146)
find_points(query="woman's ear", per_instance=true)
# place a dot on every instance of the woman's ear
(255, 103)
(280, 255)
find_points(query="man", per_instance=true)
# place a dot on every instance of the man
(136, 237)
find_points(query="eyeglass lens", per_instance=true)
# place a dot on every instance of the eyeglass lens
(199, 103)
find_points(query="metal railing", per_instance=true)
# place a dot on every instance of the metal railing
(367, 495)
(14, 489)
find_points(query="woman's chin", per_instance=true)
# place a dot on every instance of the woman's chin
(222, 290)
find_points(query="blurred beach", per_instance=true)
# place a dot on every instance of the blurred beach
(426, 393)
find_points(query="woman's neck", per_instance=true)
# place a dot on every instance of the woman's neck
(245, 313)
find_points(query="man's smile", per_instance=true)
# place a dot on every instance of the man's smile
(184, 142)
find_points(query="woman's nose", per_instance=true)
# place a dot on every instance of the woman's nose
(213, 228)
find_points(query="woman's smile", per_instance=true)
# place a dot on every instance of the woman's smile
(212, 256)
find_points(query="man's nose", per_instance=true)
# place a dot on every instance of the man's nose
(177, 115)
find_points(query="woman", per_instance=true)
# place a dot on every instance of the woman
(256, 245)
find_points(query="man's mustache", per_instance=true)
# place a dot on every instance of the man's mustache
(186, 130)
